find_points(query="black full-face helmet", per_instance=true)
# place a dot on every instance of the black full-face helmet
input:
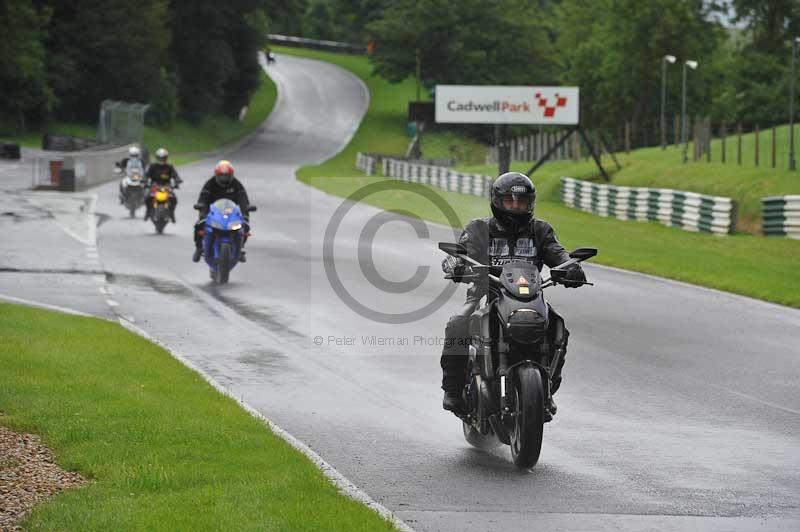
(513, 199)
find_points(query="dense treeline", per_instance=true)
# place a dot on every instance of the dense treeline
(612, 49)
(60, 58)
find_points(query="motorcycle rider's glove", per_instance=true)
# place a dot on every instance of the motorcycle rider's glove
(575, 277)
(454, 266)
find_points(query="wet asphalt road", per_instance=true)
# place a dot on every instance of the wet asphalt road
(680, 408)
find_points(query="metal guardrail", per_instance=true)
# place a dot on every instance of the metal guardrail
(781, 216)
(302, 42)
(676, 208)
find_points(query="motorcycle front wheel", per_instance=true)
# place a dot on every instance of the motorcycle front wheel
(526, 439)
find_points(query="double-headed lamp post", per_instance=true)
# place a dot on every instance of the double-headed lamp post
(792, 162)
(693, 66)
(664, 61)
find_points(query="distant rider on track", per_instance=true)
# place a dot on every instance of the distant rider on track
(222, 185)
(161, 173)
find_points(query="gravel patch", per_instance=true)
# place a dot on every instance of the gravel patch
(28, 476)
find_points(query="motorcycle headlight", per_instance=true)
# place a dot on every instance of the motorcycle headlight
(162, 196)
(216, 225)
(234, 226)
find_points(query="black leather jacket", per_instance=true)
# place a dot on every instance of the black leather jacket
(488, 242)
(162, 174)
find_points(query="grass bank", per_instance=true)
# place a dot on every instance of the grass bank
(185, 141)
(742, 264)
(657, 168)
(163, 450)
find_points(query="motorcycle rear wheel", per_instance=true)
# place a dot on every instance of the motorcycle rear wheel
(224, 263)
(526, 439)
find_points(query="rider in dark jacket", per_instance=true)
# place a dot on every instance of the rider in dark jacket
(222, 185)
(161, 173)
(511, 234)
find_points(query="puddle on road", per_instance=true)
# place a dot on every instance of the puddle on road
(161, 286)
(267, 365)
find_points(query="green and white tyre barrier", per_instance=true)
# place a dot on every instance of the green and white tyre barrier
(366, 163)
(689, 211)
(781, 216)
(438, 176)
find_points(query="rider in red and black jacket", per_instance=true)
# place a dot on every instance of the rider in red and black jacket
(223, 185)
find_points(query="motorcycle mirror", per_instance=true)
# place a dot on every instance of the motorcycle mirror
(557, 275)
(117, 170)
(453, 249)
(252, 208)
(583, 253)
(197, 207)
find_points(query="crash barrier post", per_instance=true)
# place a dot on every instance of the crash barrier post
(438, 176)
(10, 150)
(78, 169)
(689, 211)
(781, 216)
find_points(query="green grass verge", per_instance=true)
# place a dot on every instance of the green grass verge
(163, 449)
(184, 141)
(763, 268)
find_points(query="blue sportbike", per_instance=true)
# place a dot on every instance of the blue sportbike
(223, 238)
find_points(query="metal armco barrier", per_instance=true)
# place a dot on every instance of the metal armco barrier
(676, 208)
(781, 216)
(427, 174)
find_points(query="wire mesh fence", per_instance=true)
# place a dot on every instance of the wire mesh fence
(121, 122)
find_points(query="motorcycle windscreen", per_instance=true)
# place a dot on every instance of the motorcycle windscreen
(224, 207)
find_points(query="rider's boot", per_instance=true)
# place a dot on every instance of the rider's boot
(242, 256)
(198, 252)
(147, 213)
(454, 401)
(172, 215)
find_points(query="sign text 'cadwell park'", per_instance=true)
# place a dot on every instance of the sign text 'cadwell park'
(489, 104)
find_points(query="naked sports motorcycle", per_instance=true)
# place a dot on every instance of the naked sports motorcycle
(516, 344)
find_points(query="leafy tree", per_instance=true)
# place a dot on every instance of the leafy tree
(111, 48)
(502, 41)
(759, 73)
(23, 79)
(214, 48)
(613, 50)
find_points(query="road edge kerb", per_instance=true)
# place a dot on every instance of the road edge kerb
(344, 485)
(46, 306)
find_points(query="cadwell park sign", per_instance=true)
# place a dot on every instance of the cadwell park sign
(490, 104)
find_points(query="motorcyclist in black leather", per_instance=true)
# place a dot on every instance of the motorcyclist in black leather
(511, 234)
(222, 185)
(162, 173)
